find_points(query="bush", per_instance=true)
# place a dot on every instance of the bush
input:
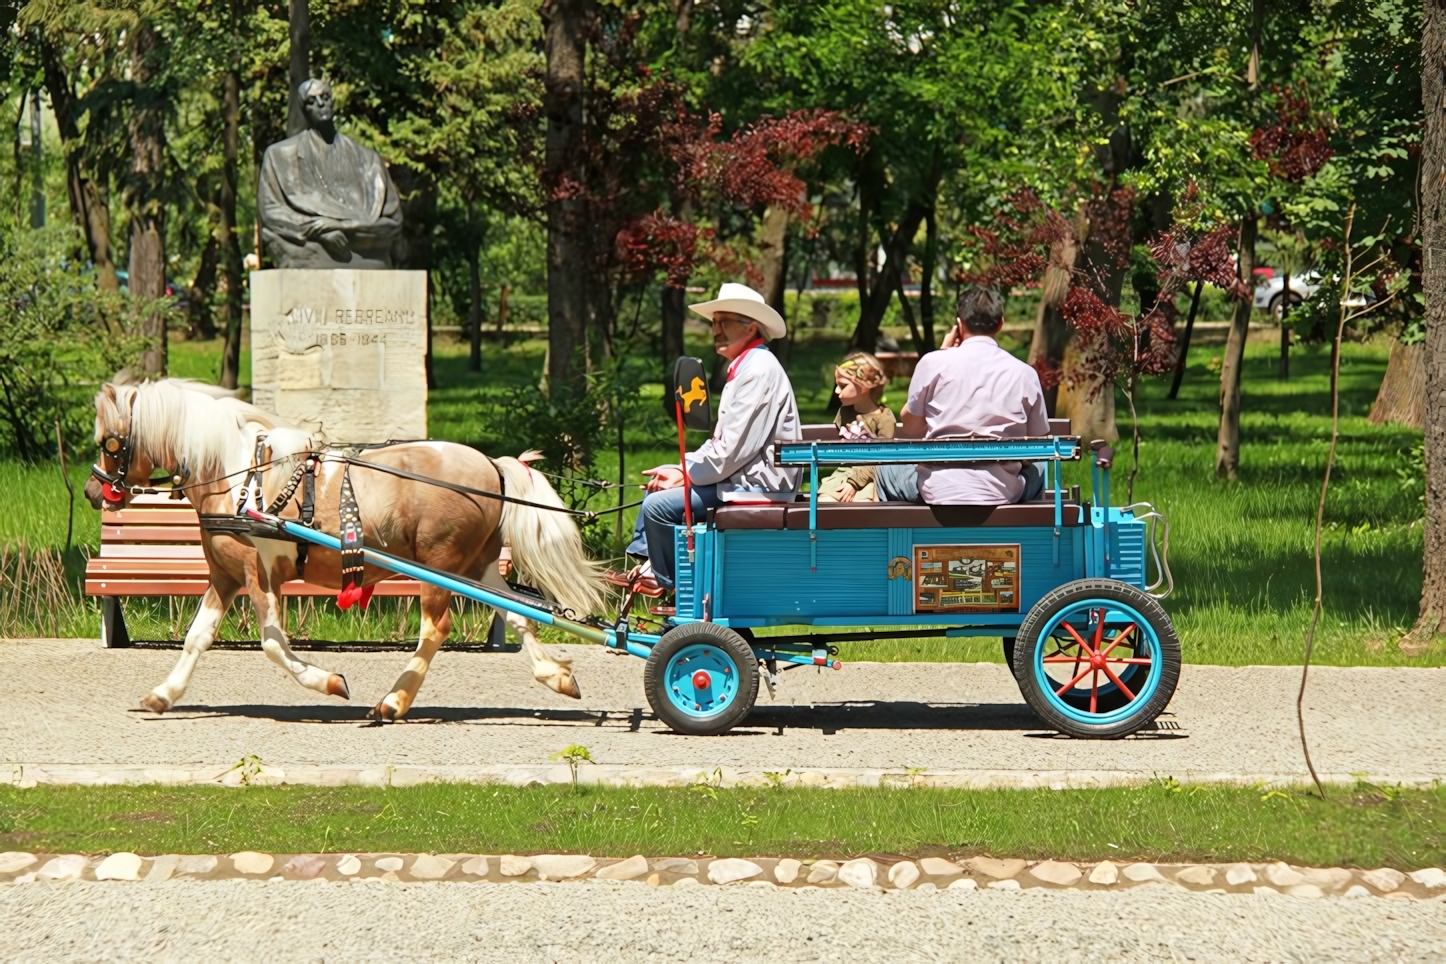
(61, 338)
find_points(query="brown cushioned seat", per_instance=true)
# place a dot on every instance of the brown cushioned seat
(892, 515)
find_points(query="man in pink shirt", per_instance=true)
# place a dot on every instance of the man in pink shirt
(971, 387)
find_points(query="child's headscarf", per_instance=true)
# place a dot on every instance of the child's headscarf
(865, 369)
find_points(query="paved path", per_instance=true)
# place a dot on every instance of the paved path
(323, 922)
(74, 708)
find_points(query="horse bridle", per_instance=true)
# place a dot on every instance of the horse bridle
(113, 485)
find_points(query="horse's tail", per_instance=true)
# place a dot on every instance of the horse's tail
(546, 546)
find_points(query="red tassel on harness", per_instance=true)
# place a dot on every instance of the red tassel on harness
(354, 595)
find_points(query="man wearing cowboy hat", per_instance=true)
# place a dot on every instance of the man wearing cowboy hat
(756, 407)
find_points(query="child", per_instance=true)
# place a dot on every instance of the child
(859, 383)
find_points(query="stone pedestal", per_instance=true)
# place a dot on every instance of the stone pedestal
(345, 350)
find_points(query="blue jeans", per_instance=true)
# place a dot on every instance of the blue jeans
(661, 511)
(900, 483)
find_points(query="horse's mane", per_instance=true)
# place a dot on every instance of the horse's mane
(177, 418)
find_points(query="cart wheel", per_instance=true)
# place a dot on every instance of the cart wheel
(1097, 658)
(701, 679)
(1009, 652)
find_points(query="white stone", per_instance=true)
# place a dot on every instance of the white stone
(862, 872)
(162, 868)
(389, 864)
(1008, 884)
(1430, 877)
(823, 872)
(13, 860)
(786, 871)
(430, 867)
(903, 874)
(729, 869)
(995, 867)
(1237, 874)
(1304, 890)
(342, 347)
(121, 866)
(1056, 872)
(939, 867)
(511, 866)
(275, 880)
(562, 866)
(967, 883)
(683, 883)
(476, 866)
(25, 878)
(630, 869)
(1384, 879)
(929, 885)
(67, 867)
(1356, 890)
(1281, 875)
(676, 865)
(349, 865)
(1327, 878)
(1142, 872)
(1262, 890)
(305, 866)
(196, 864)
(1104, 873)
(251, 862)
(1199, 875)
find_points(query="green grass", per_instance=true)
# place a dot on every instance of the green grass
(1363, 827)
(1241, 552)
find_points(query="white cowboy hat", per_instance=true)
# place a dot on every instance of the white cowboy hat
(744, 301)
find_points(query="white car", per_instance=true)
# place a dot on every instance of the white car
(1271, 296)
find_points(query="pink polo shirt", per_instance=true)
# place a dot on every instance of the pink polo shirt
(979, 389)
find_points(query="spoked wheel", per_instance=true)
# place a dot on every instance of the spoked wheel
(701, 679)
(1097, 658)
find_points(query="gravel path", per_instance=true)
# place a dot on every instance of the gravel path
(317, 921)
(79, 708)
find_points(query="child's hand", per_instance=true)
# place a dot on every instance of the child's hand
(845, 493)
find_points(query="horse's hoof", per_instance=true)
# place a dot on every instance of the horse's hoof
(155, 704)
(570, 688)
(336, 686)
(384, 712)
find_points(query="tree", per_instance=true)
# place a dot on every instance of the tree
(1433, 230)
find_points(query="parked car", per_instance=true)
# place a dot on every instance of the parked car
(1271, 295)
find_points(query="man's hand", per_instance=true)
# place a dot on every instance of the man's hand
(952, 339)
(846, 492)
(664, 477)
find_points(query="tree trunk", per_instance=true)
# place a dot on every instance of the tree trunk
(148, 237)
(88, 206)
(299, 63)
(565, 172)
(1227, 449)
(1402, 397)
(675, 312)
(873, 307)
(230, 240)
(1051, 331)
(474, 291)
(928, 265)
(1182, 356)
(200, 325)
(37, 167)
(1433, 221)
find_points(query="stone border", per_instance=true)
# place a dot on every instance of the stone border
(927, 874)
(27, 775)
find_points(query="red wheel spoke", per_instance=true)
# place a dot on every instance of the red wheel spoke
(1119, 639)
(1095, 693)
(1116, 680)
(1070, 685)
(1132, 661)
(1064, 659)
(1100, 631)
(1079, 639)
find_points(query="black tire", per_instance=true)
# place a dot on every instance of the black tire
(1008, 642)
(1067, 719)
(1277, 305)
(725, 648)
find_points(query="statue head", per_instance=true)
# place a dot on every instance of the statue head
(316, 103)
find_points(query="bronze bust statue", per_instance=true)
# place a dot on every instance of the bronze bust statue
(324, 200)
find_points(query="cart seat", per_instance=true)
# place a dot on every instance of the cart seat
(891, 515)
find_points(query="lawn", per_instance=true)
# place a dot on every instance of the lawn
(1240, 552)
(1360, 827)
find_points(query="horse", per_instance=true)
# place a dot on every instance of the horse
(201, 433)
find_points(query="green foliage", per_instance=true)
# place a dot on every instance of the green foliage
(60, 339)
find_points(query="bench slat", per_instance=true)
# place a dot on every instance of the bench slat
(150, 533)
(112, 550)
(197, 587)
(179, 514)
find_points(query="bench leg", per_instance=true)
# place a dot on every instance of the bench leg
(113, 633)
(497, 634)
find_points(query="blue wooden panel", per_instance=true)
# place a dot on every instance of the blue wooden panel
(767, 573)
(1037, 572)
(901, 583)
(689, 599)
(1127, 552)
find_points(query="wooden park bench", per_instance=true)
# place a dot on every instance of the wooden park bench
(152, 547)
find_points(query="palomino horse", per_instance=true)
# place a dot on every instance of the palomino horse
(204, 435)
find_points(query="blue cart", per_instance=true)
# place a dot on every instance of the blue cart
(1063, 582)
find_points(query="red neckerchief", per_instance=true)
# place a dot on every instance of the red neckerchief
(733, 365)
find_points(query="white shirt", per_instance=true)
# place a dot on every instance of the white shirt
(756, 407)
(978, 389)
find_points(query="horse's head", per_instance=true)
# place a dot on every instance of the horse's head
(122, 461)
